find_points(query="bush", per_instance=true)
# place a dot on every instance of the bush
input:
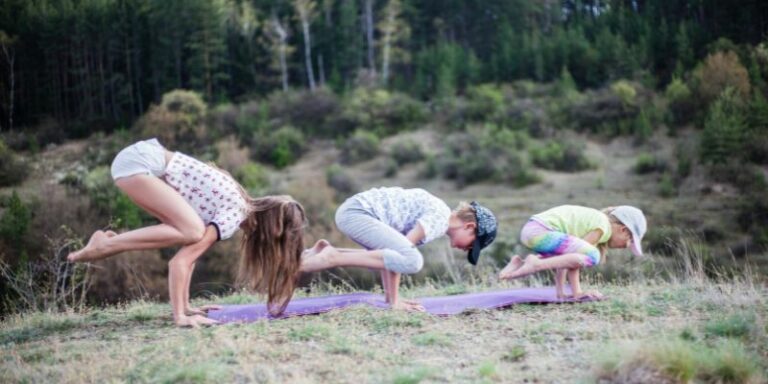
(15, 221)
(312, 112)
(360, 147)
(724, 128)
(407, 152)
(602, 110)
(756, 143)
(647, 163)
(381, 111)
(667, 186)
(12, 170)
(484, 102)
(643, 129)
(280, 148)
(719, 71)
(178, 122)
(253, 177)
(565, 155)
(109, 200)
(624, 91)
(681, 107)
(484, 153)
(340, 181)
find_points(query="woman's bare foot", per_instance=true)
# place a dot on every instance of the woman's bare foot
(513, 265)
(529, 266)
(320, 261)
(317, 248)
(93, 250)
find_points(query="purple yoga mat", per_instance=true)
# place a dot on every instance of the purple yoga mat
(441, 306)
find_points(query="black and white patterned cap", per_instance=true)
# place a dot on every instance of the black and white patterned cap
(485, 232)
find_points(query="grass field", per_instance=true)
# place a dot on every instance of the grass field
(680, 330)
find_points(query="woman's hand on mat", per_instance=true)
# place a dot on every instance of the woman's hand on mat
(203, 310)
(408, 305)
(194, 321)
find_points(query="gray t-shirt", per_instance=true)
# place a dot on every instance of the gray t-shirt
(402, 209)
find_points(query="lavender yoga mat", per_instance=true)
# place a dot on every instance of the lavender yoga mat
(441, 306)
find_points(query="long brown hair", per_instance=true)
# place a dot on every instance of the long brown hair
(271, 249)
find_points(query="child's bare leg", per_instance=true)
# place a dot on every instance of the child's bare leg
(331, 257)
(574, 280)
(181, 225)
(385, 284)
(515, 263)
(560, 282)
(534, 264)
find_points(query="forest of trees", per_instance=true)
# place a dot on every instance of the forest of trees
(97, 64)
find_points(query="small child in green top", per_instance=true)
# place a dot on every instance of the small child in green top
(570, 237)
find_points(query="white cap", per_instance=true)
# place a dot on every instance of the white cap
(634, 220)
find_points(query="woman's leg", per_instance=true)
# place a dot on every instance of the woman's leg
(180, 223)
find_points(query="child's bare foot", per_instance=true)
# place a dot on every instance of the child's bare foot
(110, 233)
(320, 261)
(529, 266)
(513, 265)
(317, 248)
(93, 250)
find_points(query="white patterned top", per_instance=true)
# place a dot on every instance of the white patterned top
(214, 195)
(402, 209)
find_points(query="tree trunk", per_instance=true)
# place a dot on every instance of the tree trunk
(387, 42)
(369, 35)
(10, 57)
(321, 68)
(282, 37)
(304, 15)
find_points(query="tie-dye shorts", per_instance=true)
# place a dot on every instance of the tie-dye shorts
(549, 242)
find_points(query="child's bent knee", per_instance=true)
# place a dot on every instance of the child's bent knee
(407, 261)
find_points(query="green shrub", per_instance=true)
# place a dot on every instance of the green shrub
(381, 111)
(15, 221)
(681, 107)
(362, 146)
(625, 91)
(253, 177)
(340, 181)
(647, 163)
(756, 143)
(391, 167)
(484, 153)
(737, 325)
(724, 130)
(312, 112)
(484, 102)
(178, 122)
(407, 151)
(280, 148)
(12, 170)
(667, 186)
(642, 126)
(603, 111)
(108, 199)
(565, 155)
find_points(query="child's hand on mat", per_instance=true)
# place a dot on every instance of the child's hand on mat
(203, 310)
(592, 293)
(408, 305)
(194, 321)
